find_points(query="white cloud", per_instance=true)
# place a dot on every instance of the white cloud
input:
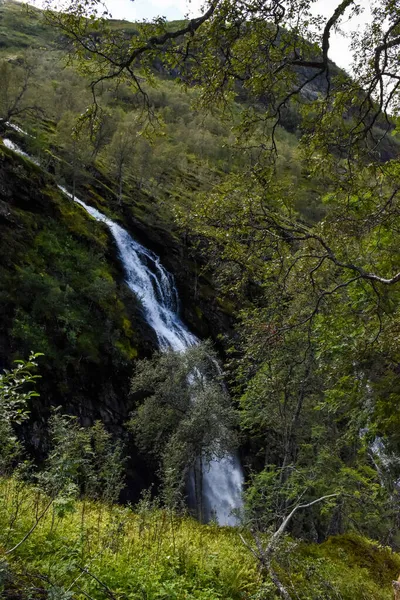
(133, 10)
(340, 41)
(143, 9)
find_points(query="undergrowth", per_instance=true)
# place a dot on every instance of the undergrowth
(94, 551)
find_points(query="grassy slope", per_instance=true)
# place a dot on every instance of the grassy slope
(18, 33)
(146, 210)
(151, 554)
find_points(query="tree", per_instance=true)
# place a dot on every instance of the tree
(264, 554)
(186, 418)
(15, 94)
(325, 282)
(121, 150)
(81, 461)
(103, 129)
(263, 44)
(266, 49)
(73, 141)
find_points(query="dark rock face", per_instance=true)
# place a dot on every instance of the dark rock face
(81, 316)
(199, 305)
(62, 292)
(201, 310)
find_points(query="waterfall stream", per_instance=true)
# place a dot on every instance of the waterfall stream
(156, 290)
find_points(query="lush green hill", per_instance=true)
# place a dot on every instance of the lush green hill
(158, 171)
(21, 27)
(62, 288)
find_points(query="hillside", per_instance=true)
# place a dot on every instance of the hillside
(103, 552)
(199, 309)
(146, 209)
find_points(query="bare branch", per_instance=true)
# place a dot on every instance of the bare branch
(32, 529)
(278, 534)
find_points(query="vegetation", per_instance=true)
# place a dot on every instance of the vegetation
(278, 174)
(84, 548)
(56, 285)
(187, 414)
(56, 546)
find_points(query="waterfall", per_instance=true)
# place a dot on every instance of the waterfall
(11, 146)
(155, 288)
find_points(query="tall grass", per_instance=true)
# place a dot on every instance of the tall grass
(110, 551)
(88, 550)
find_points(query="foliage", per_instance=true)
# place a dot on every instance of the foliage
(101, 550)
(15, 394)
(186, 415)
(81, 460)
(60, 294)
(147, 552)
(299, 229)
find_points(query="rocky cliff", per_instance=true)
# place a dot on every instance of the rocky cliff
(63, 293)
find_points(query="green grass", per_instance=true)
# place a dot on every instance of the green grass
(89, 550)
(347, 566)
(144, 554)
(21, 27)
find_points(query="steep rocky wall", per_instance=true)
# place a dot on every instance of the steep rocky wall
(62, 292)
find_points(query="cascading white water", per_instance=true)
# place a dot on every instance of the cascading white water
(150, 282)
(9, 144)
(155, 287)
(18, 129)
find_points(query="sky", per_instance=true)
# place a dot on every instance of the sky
(177, 9)
(135, 10)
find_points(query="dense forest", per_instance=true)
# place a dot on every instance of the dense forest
(199, 304)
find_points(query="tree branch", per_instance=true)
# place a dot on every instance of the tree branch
(278, 534)
(32, 529)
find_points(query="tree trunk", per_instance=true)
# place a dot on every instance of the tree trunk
(278, 584)
(201, 509)
(74, 170)
(120, 178)
(198, 489)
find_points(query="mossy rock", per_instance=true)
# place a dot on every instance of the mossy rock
(366, 554)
